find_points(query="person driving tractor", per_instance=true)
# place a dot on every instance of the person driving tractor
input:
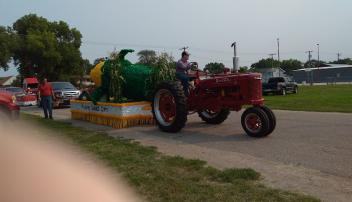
(182, 66)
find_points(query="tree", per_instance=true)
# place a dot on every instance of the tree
(314, 63)
(83, 69)
(290, 65)
(147, 57)
(347, 61)
(243, 69)
(87, 66)
(7, 46)
(266, 63)
(214, 67)
(46, 49)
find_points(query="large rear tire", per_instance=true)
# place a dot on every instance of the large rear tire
(214, 117)
(169, 106)
(255, 122)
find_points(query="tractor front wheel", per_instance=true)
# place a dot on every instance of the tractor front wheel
(271, 117)
(169, 107)
(255, 122)
(214, 117)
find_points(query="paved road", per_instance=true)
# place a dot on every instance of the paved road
(320, 142)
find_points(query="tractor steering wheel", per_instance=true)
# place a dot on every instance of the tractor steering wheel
(194, 66)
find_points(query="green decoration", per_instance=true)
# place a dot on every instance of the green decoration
(123, 81)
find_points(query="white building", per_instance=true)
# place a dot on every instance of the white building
(267, 73)
(7, 81)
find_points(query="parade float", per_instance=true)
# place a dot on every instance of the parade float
(123, 91)
(129, 94)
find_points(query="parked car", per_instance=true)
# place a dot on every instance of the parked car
(280, 85)
(64, 93)
(22, 98)
(8, 105)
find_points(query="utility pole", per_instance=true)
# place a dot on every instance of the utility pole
(338, 56)
(318, 61)
(318, 45)
(278, 49)
(184, 48)
(309, 55)
(235, 58)
(272, 59)
(309, 58)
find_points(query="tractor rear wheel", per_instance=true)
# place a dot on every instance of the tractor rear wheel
(214, 117)
(255, 122)
(272, 118)
(170, 107)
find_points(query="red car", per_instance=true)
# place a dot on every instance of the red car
(30, 85)
(8, 105)
(22, 98)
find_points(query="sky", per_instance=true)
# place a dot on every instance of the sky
(207, 27)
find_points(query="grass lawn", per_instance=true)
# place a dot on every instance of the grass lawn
(331, 98)
(159, 177)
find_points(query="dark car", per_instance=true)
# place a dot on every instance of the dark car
(64, 92)
(8, 105)
(280, 85)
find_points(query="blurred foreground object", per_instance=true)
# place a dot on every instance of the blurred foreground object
(8, 106)
(35, 169)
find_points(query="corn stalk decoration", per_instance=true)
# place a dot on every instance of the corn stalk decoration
(116, 81)
(119, 80)
(162, 70)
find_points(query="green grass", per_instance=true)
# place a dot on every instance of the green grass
(331, 98)
(159, 177)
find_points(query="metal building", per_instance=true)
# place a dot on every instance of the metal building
(267, 73)
(331, 73)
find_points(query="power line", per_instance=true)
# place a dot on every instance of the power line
(117, 44)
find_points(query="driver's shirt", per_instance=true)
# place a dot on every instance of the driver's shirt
(182, 67)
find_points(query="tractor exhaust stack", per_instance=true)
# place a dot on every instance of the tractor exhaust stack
(235, 58)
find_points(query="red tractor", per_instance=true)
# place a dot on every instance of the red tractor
(213, 97)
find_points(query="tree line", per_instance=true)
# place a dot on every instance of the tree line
(41, 48)
(293, 64)
(51, 49)
(148, 57)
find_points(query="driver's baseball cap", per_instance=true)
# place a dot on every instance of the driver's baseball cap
(185, 53)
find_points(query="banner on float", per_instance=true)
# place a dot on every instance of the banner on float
(120, 115)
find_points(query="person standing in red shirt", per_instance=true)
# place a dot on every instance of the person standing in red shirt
(46, 94)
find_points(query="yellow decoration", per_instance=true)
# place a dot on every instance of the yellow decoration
(82, 110)
(113, 121)
(95, 74)
(126, 104)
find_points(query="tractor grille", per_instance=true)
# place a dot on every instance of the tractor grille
(255, 86)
